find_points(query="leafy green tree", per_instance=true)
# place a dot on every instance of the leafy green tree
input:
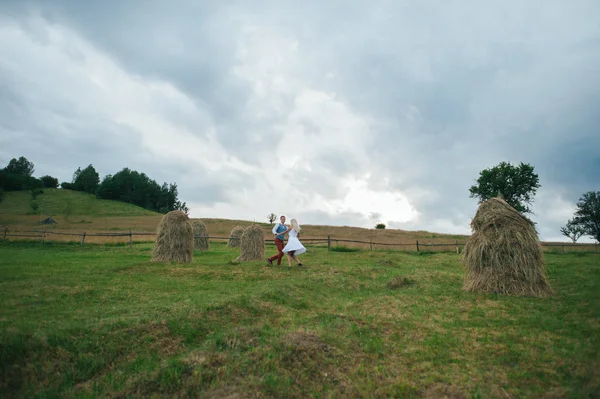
(1, 195)
(587, 215)
(49, 181)
(380, 226)
(21, 166)
(137, 188)
(572, 230)
(12, 182)
(517, 185)
(86, 180)
(17, 176)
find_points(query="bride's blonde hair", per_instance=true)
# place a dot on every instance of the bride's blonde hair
(295, 225)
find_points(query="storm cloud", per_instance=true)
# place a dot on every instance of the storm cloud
(333, 112)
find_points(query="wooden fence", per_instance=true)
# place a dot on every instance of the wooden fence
(416, 246)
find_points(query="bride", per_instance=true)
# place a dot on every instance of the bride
(294, 246)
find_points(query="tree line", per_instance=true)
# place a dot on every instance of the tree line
(126, 185)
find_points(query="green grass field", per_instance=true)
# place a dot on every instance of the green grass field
(103, 321)
(67, 203)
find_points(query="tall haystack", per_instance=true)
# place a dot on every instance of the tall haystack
(200, 235)
(235, 236)
(504, 255)
(174, 238)
(252, 244)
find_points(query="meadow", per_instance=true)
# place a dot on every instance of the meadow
(104, 321)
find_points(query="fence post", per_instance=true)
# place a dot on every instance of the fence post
(130, 239)
(563, 247)
(328, 243)
(371, 244)
(457, 246)
(5, 232)
(44, 236)
(417, 245)
(82, 238)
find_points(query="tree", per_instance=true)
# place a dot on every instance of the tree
(138, 189)
(17, 176)
(86, 180)
(380, 226)
(572, 231)
(517, 185)
(21, 167)
(587, 215)
(271, 217)
(1, 195)
(49, 181)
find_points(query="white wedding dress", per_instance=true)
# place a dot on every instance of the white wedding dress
(294, 244)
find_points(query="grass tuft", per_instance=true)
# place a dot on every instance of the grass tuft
(399, 282)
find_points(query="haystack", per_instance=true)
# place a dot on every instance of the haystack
(504, 255)
(252, 244)
(235, 236)
(174, 238)
(200, 235)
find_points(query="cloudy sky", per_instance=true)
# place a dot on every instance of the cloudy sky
(335, 112)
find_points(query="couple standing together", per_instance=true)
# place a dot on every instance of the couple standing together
(294, 246)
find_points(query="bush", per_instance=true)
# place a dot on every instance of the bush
(49, 181)
(380, 226)
(340, 248)
(35, 192)
(34, 206)
(66, 186)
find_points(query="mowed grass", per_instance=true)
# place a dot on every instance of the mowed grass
(98, 321)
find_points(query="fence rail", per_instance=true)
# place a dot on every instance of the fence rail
(42, 234)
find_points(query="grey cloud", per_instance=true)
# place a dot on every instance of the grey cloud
(449, 90)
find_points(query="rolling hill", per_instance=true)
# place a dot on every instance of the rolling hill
(77, 211)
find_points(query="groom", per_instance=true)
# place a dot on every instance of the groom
(277, 230)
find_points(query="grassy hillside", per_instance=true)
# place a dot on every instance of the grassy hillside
(78, 212)
(101, 321)
(74, 210)
(67, 203)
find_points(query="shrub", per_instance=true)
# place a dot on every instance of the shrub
(380, 226)
(340, 248)
(35, 192)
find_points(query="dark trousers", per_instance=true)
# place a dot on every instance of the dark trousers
(279, 256)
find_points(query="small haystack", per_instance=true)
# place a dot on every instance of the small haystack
(200, 235)
(252, 244)
(174, 238)
(235, 236)
(504, 255)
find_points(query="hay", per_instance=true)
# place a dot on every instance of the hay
(235, 236)
(200, 243)
(504, 255)
(252, 244)
(174, 239)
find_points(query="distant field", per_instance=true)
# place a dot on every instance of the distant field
(79, 212)
(103, 321)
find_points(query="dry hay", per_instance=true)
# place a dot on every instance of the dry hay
(504, 255)
(252, 244)
(235, 236)
(200, 235)
(399, 282)
(174, 238)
